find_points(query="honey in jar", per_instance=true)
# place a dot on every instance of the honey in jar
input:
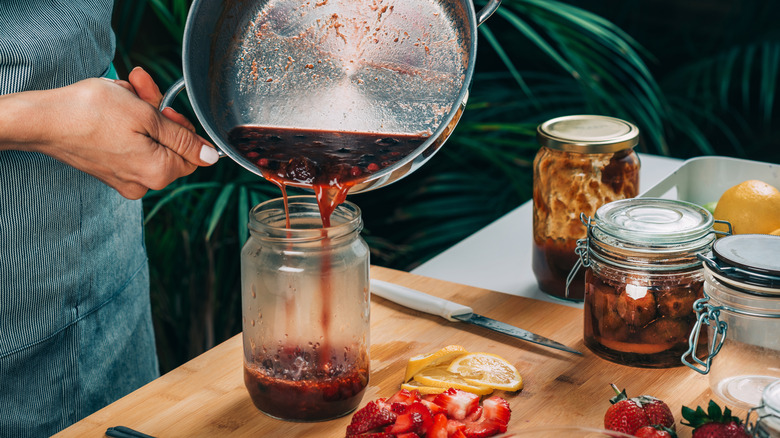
(584, 162)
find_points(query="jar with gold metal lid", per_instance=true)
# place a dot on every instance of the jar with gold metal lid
(584, 162)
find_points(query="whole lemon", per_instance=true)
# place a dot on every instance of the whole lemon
(752, 207)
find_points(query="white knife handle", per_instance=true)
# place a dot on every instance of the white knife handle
(417, 300)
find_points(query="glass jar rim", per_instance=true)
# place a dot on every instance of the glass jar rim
(268, 220)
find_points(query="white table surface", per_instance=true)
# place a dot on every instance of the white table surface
(498, 257)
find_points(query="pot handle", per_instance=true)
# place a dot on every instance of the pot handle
(170, 96)
(487, 11)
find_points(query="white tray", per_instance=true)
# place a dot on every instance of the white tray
(703, 179)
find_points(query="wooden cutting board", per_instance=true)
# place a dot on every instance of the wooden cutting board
(206, 396)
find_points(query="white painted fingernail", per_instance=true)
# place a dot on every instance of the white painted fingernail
(208, 154)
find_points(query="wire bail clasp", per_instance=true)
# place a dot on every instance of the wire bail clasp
(582, 251)
(709, 315)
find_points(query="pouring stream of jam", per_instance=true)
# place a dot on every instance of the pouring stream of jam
(329, 163)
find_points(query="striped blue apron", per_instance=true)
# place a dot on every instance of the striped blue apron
(75, 317)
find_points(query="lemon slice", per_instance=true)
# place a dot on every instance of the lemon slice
(441, 378)
(422, 361)
(422, 389)
(486, 369)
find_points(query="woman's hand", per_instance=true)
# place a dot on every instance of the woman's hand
(111, 131)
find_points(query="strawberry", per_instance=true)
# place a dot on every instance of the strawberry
(628, 415)
(496, 408)
(417, 419)
(451, 414)
(373, 435)
(373, 415)
(483, 429)
(404, 396)
(459, 404)
(458, 434)
(402, 399)
(433, 407)
(492, 420)
(715, 423)
(655, 432)
(439, 427)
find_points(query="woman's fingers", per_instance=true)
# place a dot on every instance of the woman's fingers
(145, 86)
(171, 114)
(185, 143)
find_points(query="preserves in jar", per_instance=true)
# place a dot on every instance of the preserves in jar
(584, 162)
(642, 279)
(305, 308)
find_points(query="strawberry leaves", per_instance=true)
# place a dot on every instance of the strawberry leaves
(714, 422)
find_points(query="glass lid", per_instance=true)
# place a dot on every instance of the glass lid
(654, 221)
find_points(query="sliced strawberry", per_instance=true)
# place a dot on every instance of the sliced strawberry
(454, 426)
(474, 416)
(373, 435)
(407, 435)
(401, 400)
(404, 396)
(439, 427)
(484, 429)
(433, 407)
(458, 434)
(429, 397)
(459, 404)
(496, 408)
(373, 415)
(417, 419)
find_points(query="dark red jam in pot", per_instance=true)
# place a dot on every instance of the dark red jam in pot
(317, 157)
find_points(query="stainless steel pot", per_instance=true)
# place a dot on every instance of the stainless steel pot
(375, 66)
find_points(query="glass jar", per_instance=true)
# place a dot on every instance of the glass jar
(741, 310)
(642, 278)
(768, 423)
(305, 299)
(584, 162)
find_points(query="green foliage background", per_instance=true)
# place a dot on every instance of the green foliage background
(698, 77)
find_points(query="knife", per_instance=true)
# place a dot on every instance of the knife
(450, 311)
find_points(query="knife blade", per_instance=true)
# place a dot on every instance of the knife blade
(451, 311)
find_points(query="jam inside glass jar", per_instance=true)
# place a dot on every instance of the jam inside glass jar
(584, 162)
(305, 308)
(642, 279)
